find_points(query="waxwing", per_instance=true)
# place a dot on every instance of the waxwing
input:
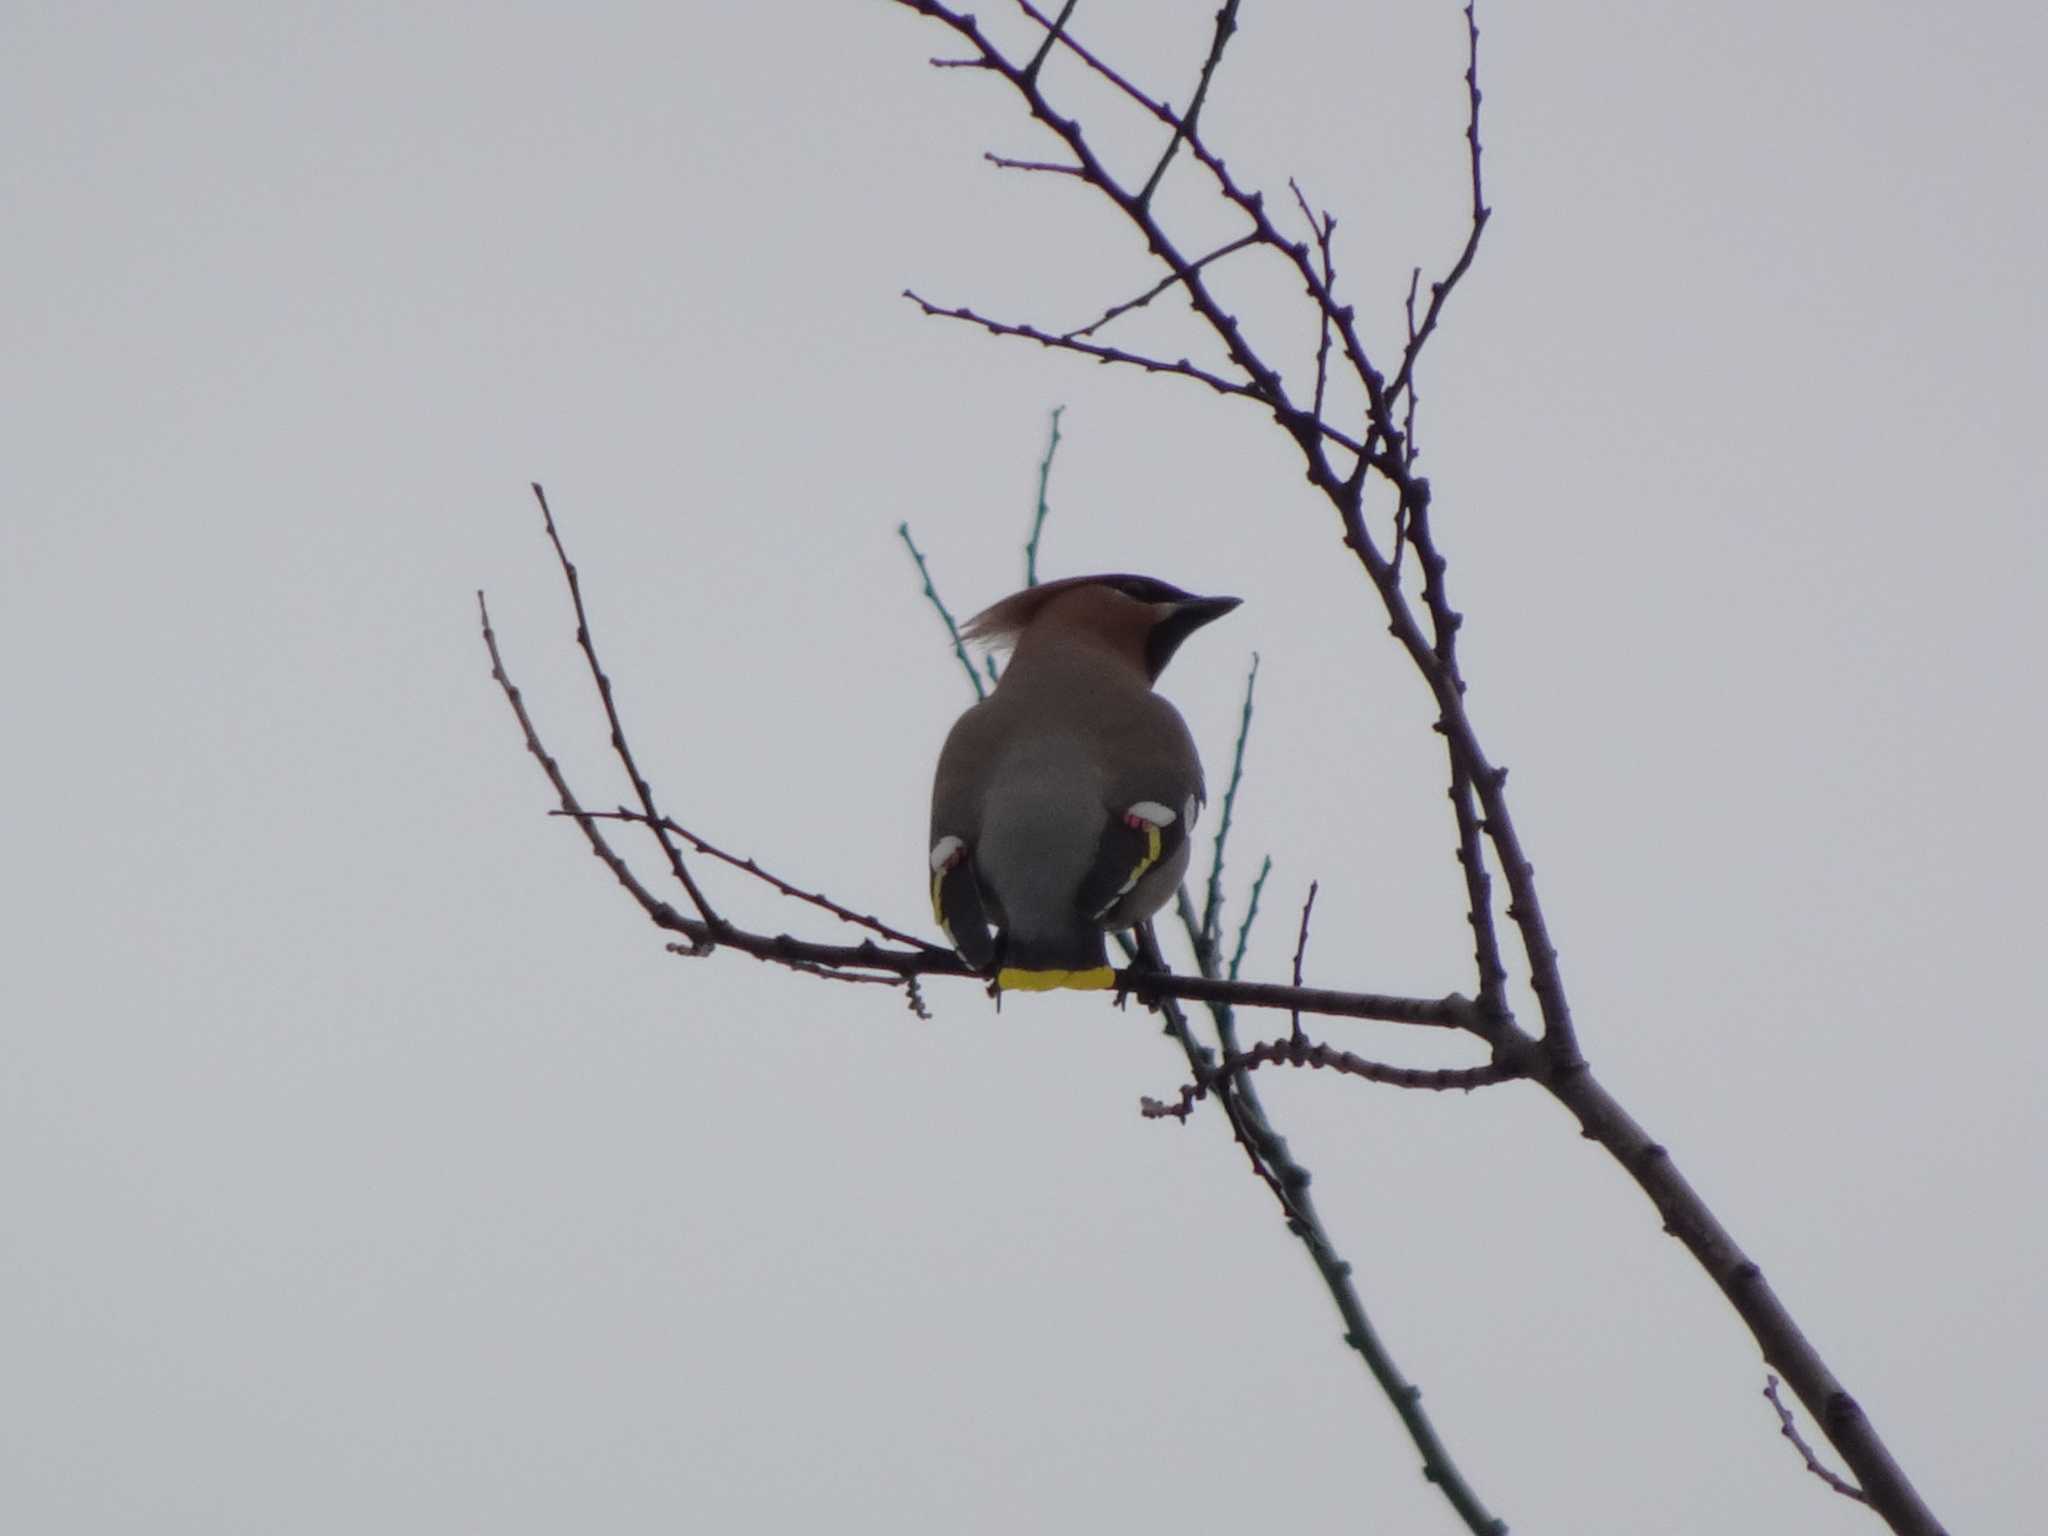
(1064, 801)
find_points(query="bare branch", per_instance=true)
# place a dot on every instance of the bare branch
(1265, 383)
(1052, 35)
(814, 898)
(945, 615)
(1210, 928)
(1478, 786)
(1323, 230)
(1251, 912)
(1171, 280)
(1143, 946)
(713, 923)
(660, 910)
(1410, 451)
(1179, 367)
(1440, 291)
(1226, 24)
(1301, 949)
(1043, 507)
(1298, 1052)
(1790, 1431)
(926, 960)
(1041, 167)
(1290, 1182)
(1427, 630)
(1689, 1219)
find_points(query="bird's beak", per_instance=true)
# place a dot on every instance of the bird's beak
(1180, 621)
(1197, 611)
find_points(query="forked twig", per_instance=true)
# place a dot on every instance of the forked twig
(713, 923)
(748, 866)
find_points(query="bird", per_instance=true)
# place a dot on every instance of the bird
(1063, 802)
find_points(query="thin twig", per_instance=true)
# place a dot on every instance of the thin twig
(1790, 1431)
(1043, 508)
(748, 866)
(945, 616)
(713, 923)
(1297, 1052)
(1143, 945)
(1212, 901)
(1226, 24)
(1323, 230)
(1250, 203)
(1037, 167)
(1410, 449)
(659, 910)
(1171, 280)
(1301, 948)
(1251, 912)
(1052, 35)
(1440, 291)
(1179, 367)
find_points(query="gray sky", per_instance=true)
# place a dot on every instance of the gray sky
(367, 1164)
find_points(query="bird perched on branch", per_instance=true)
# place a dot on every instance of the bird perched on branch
(1063, 802)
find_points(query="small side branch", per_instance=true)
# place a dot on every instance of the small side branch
(1226, 24)
(1172, 280)
(1299, 1052)
(1790, 1431)
(1323, 229)
(1178, 367)
(1251, 912)
(748, 866)
(1037, 167)
(1301, 948)
(1440, 291)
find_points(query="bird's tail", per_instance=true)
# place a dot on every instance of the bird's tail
(1076, 961)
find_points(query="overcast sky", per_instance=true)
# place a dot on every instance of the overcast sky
(367, 1165)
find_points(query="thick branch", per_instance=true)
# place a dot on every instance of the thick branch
(1785, 1345)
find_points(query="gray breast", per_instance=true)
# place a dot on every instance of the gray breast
(1041, 825)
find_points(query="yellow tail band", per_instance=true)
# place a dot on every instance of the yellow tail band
(1095, 979)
